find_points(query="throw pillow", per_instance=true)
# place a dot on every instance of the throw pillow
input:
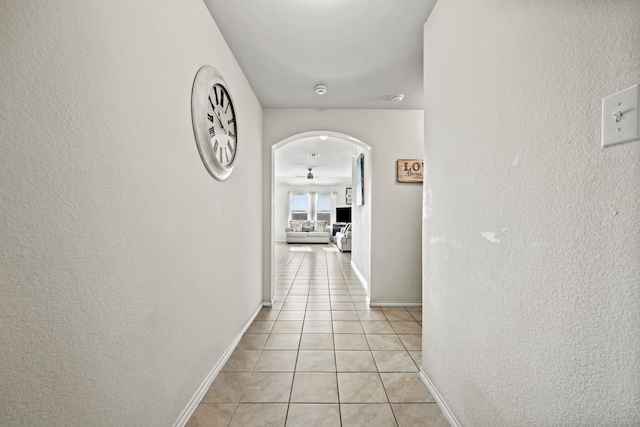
(320, 225)
(295, 225)
(308, 226)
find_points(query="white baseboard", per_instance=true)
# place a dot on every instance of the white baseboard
(202, 390)
(360, 277)
(394, 304)
(446, 411)
(268, 303)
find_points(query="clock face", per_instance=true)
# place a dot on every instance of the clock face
(222, 125)
(214, 122)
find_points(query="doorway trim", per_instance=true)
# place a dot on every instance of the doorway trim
(269, 287)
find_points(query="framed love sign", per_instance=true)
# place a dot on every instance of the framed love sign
(410, 170)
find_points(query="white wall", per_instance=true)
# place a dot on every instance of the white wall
(123, 264)
(532, 231)
(395, 208)
(361, 220)
(281, 198)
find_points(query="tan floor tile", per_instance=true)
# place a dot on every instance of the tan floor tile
(355, 361)
(345, 315)
(407, 328)
(378, 415)
(282, 342)
(259, 414)
(268, 387)
(318, 296)
(361, 388)
(350, 342)
(399, 316)
(260, 327)
(316, 361)
(227, 388)
(296, 298)
(377, 327)
(276, 361)
(318, 315)
(241, 360)
(411, 342)
(291, 315)
(384, 342)
(346, 327)
(419, 415)
(316, 415)
(314, 388)
(372, 315)
(341, 298)
(416, 356)
(211, 415)
(394, 361)
(287, 327)
(316, 342)
(343, 306)
(392, 308)
(416, 313)
(317, 327)
(296, 306)
(252, 342)
(405, 388)
(318, 306)
(267, 314)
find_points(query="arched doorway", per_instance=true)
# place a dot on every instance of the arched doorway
(361, 214)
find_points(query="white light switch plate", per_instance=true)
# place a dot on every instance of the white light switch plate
(620, 121)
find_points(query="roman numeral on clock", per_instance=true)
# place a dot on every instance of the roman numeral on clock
(219, 94)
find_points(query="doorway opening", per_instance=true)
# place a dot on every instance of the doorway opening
(319, 168)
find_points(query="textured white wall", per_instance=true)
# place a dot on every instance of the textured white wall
(125, 271)
(395, 208)
(532, 230)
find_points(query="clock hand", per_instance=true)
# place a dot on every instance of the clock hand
(219, 121)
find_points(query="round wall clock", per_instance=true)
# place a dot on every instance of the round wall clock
(214, 122)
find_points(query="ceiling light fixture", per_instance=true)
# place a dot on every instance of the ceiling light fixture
(398, 97)
(323, 137)
(321, 89)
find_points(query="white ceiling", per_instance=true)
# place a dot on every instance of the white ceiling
(363, 50)
(331, 167)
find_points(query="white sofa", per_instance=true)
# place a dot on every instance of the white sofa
(308, 232)
(343, 238)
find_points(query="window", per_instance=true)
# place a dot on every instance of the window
(324, 207)
(300, 206)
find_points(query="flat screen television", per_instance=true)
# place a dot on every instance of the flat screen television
(343, 214)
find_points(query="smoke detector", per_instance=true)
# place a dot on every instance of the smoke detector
(321, 89)
(398, 97)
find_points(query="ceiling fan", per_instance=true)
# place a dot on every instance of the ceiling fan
(308, 176)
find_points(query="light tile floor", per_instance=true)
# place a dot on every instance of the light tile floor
(321, 356)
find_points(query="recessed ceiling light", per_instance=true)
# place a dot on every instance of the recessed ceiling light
(321, 89)
(398, 97)
(323, 137)
(313, 155)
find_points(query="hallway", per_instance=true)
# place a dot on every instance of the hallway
(321, 356)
